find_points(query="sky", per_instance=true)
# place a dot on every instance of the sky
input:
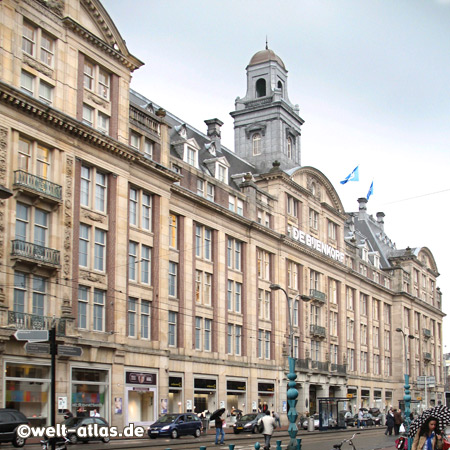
(371, 78)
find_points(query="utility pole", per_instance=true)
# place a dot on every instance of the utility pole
(53, 350)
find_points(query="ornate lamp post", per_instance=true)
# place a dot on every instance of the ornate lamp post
(292, 392)
(407, 396)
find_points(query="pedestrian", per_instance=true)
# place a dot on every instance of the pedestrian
(95, 413)
(360, 423)
(398, 420)
(429, 436)
(276, 416)
(389, 423)
(269, 426)
(219, 430)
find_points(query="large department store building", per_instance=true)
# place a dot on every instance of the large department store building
(153, 247)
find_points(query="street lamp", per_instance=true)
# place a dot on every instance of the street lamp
(292, 392)
(407, 396)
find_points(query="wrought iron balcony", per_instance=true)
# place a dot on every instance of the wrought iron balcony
(23, 321)
(317, 296)
(316, 330)
(34, 252)
(427, 356)
(426, 333)
(303, 363)
(38, 185)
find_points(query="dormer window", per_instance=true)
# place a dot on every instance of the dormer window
(191, 156)
(211, 148)
(222, 173)
(280, 87)
(256, 143)
(261, 88)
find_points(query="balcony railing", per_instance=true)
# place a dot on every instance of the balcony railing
(320, 365)
(427, 356)
(145, 120)
(317, 296)
(38, 184)
(339, 368)
(35, 252)
(426, 333)
(302, 363)
(316, 330)
(23, 321)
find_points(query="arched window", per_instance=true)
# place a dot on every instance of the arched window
(289, 147)
(280, 86)
(261, 88)
(256, 144)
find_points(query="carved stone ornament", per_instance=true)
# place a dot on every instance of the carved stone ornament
(93, 216)
(97, 100)
(56, 6)
(313, 185)
(93, 278)
(37, 65)
(3, 178)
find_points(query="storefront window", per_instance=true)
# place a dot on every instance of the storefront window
(204, 395)
(141, 395)
(175, 394)
(27, 390)
(236, 395)
(266, 392)
(90, 389)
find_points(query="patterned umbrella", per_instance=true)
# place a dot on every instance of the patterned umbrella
(441, 413)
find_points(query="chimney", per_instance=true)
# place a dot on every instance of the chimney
(380, 219)
(213, 131)
(362, 208)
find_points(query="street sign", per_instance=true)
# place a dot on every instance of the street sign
(68, 350)
(31, 335)
(33, 347)
(429, 381)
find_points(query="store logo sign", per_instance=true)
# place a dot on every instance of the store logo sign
(314, 243)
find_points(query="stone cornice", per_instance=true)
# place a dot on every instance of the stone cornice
(68, 125)
(128, 61)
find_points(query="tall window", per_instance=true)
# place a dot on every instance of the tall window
(173, 235)
(236, 205)
(99, 310)
(203, 241)
(139, 260)
(292, 269)
(173, 279)
(376, 309)
(203, 289)
(314, 280)
(363, 300)
(376, 337)
(256, 144)
(32, 224)
(350, 295)
(376, 364)
(387, 366)
(203, 334)
(36, 87)
(387, 340)
(350, 329)
(387, 314)
(313, 219)
(96, 79)
(234, 296)
(173, 316)
(333, 323)
(332, 290)
(132, 316)
(234, 254)
(334, 354)
(315, 350)
(234, 339)
(332, 230)
(315, 315)
(267, 344)
(363, 362)
(363, 334)
(38, 44)
(30, 294)
(93, 188)
(263, 264)
(292, 206)
(351, 359)
(34, 158)
(83, 307)
(289, 147)
(98, 251)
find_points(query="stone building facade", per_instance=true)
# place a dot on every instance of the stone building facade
(153, 247)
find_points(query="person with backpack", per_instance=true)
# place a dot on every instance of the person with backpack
(268, 425)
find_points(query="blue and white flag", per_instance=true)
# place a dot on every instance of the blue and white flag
(354, 176)
(370, 191)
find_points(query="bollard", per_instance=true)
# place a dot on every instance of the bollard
(203, 448)
(231, 446)
(278, 445)
(299, 444)
(257, 446)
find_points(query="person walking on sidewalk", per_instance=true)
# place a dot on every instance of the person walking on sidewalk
(219, 430)
(398, 420)
(269, 426)
(389, 422)
(360, 422)
(428, 437)
(276, 416)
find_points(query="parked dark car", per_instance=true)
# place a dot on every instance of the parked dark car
(175, 425)
(10, 419)
(247, 423)
(74, 423)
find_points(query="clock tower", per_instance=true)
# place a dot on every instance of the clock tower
(266, 124)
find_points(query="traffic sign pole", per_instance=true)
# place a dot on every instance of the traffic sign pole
(52, 338)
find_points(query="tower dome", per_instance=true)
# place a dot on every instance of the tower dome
(265, 56)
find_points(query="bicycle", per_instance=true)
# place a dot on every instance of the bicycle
(350, 442)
